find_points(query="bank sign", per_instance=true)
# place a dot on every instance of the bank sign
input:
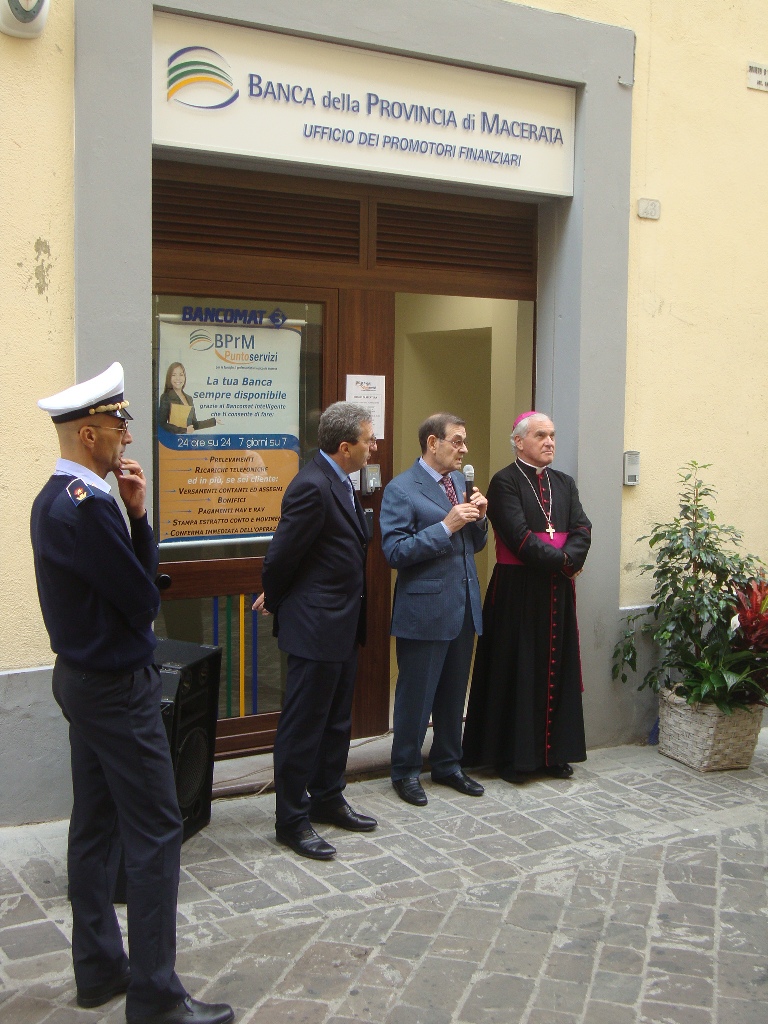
(227, 89)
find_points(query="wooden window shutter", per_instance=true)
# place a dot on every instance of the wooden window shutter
(255, 222)
(455, 239)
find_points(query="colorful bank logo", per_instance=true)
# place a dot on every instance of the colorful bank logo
(203, 75)
(200, 341)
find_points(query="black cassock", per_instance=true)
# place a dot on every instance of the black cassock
(525, 702)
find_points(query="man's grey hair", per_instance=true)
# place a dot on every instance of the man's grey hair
(438, 424)
(524, 426)
(341, 421)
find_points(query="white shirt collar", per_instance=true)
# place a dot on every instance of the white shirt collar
(435, 474)
(537, 469)
(64, 467)
(337, 468)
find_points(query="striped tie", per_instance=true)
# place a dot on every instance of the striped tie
(351, 492)
(450, 490)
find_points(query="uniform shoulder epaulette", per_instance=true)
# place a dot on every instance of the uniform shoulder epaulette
(79, 491)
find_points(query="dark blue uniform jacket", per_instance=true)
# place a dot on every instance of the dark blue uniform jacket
(95, 579)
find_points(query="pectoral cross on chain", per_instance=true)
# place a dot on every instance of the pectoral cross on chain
(551, 531)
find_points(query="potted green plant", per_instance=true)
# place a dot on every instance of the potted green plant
(712, 666)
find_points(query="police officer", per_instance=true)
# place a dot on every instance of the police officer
(95, 581)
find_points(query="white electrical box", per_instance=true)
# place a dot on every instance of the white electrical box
(23, 18)
(370, 479)
(631, 469)
(649, 209)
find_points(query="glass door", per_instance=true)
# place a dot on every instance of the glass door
(238, 386)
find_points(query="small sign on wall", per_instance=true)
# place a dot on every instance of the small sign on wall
(757, 76)
(368, 390)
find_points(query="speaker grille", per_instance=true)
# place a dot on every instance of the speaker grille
(190, 684)
(191, 767)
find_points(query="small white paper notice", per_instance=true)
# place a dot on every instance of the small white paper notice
(757, 76)
(368, 390)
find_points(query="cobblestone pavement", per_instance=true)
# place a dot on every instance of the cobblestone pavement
(635, 892)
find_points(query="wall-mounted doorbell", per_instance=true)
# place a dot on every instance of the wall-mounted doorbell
(370, 479)
(631, 469)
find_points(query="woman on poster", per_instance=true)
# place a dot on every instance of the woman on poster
(176, 412)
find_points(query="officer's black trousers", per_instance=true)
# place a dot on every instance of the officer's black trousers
(124, 791)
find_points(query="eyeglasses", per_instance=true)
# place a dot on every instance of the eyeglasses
(123, 428)
(456, 442)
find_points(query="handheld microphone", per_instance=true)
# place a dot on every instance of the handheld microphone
(469, 476)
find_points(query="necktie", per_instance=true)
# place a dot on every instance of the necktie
(450, 490)
(351, 492)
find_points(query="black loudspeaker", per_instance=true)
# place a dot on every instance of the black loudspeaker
(189, 706)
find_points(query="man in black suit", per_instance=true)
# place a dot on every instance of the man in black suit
(314, 583)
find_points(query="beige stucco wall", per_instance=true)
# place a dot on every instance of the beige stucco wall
(698, 294)
(37, 276)
(697, 354)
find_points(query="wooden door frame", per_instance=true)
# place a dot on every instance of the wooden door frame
(367, 346)
(367, 314)
(358, 297)
(235, 737)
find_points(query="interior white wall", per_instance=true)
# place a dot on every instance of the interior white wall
(462, 355)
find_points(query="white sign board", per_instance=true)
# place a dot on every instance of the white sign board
(228, 89)
(757, 76)
(368, 390)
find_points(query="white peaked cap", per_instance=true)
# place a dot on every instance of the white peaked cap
(102, 394)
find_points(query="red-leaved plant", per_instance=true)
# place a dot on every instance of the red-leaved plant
(752, 608)
(752, 634)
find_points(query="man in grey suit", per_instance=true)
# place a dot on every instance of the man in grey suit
(430, 531)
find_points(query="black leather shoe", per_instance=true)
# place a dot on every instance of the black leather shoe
(558, 771)
(189, 1011)
(342, 816)
(97, 995)
(306, 843)
(461, 783)
(411, 791)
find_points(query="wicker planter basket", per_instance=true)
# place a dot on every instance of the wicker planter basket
(703, 737)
